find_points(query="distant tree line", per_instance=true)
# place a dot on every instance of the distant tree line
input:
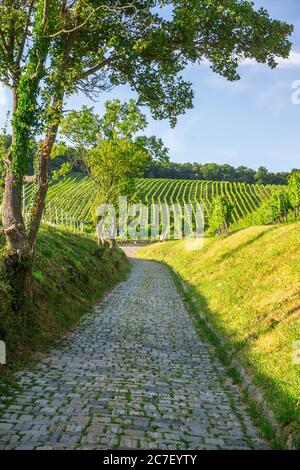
(215, 172)
(162, 167)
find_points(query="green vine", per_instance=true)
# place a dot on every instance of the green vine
(221, 215)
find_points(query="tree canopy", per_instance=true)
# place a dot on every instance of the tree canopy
(53, 49)
(215, 172)
(110, 146)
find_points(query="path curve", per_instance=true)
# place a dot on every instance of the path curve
(133, 374)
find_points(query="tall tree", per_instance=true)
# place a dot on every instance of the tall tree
(110, 148)
(51, 49)
(261, 175)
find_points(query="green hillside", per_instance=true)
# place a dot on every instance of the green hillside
(74, 196)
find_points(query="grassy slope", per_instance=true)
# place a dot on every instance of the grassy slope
(248, 285)
(68, 280)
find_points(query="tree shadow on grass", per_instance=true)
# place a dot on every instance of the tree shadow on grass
(240, 247)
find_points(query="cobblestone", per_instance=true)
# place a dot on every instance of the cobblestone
(133, 374)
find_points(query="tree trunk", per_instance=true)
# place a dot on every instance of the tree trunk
(41, 180)
(13, 223)
(21, 242)
(19, 256)
(100, 232)
(43, 155)
(113, 244)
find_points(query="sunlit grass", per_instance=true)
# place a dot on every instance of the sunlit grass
(248, 284)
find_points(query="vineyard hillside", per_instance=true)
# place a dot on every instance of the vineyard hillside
(74, 196)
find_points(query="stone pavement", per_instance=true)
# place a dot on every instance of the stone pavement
(133, 374)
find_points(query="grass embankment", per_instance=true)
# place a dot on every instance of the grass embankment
(248, 286)
(68, 278)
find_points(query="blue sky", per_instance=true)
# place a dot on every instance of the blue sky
(252, 122)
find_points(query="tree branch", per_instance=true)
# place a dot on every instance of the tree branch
(101, 65)
(46, 13)
(114, 9)
(23, 42)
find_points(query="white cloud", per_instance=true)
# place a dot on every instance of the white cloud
(292, 61)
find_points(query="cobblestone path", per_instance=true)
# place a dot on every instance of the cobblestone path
(133, 374)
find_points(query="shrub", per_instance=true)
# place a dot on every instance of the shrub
(294, 192)
(277, 208)
(221, 215)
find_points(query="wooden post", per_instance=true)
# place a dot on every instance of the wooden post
(23, 199)
(50, 214)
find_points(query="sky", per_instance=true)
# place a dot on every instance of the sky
(252, 122)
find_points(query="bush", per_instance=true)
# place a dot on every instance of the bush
(66, 283)
(276, 209)
(294, 192)
(221, 215)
